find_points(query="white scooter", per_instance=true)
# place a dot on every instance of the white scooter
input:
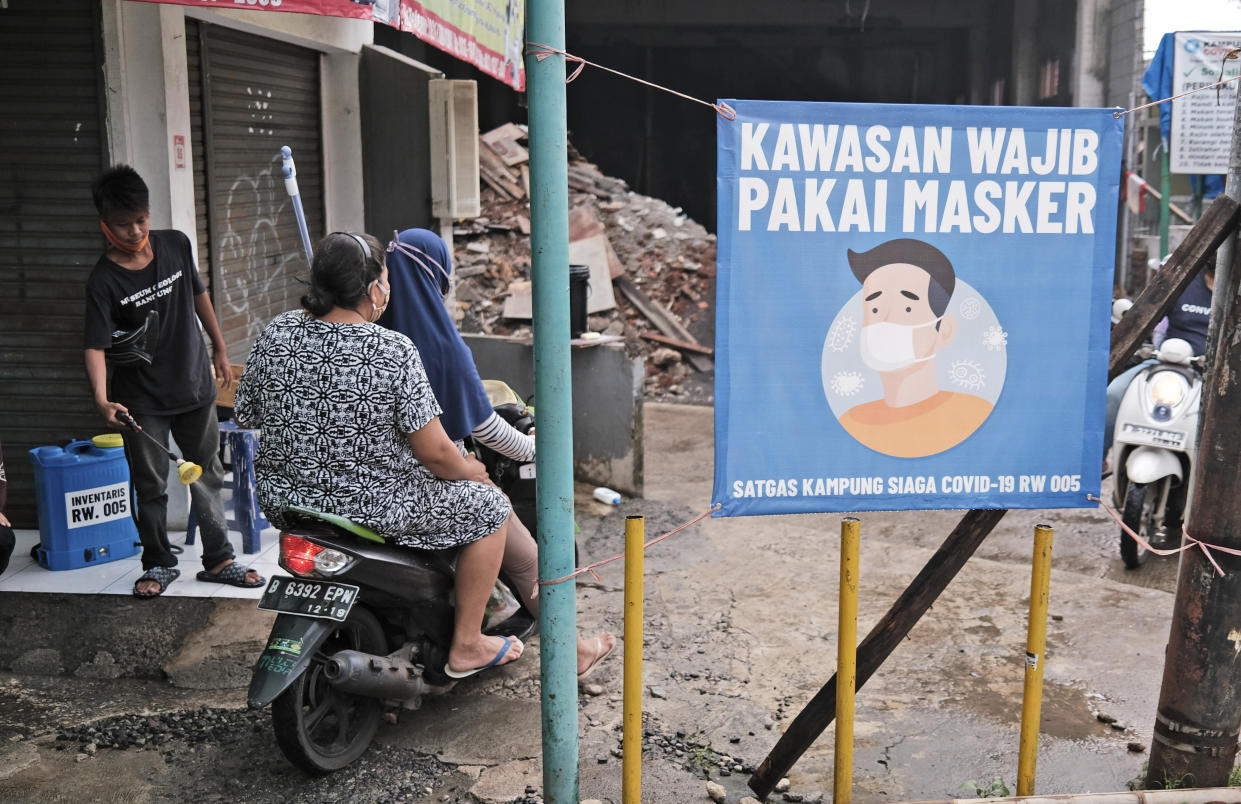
(1155, 447)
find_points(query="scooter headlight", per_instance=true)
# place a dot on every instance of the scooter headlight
(1167, 388)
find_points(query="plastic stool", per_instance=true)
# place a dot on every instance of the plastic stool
(242, 444)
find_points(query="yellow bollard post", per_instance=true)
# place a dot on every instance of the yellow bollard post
(1036, 643)
(631, 713)
(846, 659)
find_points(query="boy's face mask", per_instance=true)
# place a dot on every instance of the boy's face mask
(132, 234)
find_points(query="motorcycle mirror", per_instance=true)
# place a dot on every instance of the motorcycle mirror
(1175, 350)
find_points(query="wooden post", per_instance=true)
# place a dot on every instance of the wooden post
(1199, 714)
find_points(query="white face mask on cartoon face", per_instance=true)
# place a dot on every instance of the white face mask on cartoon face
(888, 347)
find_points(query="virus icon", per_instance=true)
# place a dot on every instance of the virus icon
(841, 334)
(995, 339)
(970, 308)
(847, 383)
(968, 374)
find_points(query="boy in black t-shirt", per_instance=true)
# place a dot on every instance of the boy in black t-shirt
(161, 376)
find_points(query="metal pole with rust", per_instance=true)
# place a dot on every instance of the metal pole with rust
(1199, 714)
(1036, 650)
(549, 251)
(846, 658)
(631, 711)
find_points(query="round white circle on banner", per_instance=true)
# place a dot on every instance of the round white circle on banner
(969, 370)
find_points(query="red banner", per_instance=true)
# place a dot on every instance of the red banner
(486, 33)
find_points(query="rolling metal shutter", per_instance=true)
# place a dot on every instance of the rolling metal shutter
(51, 147)
(248, 97)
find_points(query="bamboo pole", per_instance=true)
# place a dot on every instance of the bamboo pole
(631, 713)
(846, 659)
(1036, 645)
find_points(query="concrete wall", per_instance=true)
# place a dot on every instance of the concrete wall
(607, 405)
(1090, 58)
(148, 99)
(1124, 51)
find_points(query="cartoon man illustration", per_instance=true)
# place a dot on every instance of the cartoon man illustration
(906, 287)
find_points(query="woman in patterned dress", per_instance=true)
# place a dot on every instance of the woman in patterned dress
(351, 427)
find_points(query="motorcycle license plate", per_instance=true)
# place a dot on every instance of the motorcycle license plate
(1155, 437)
(325, 599)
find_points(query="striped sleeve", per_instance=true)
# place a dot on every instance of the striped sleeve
(502, 437)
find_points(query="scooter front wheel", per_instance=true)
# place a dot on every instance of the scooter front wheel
(1135, 516)
(319, 728)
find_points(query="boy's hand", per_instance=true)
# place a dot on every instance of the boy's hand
(109, 411)
(223, 369)
(4, 520)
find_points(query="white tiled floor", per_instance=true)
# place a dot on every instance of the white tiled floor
(117, 577)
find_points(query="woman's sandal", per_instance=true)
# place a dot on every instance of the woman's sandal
(160, 575)
(600, 655)
(233, 574)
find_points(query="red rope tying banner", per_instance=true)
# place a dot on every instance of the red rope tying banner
(541, 52)
(1190, 541)
(591, 567)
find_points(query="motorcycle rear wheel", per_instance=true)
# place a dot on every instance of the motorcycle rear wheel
(319, 728)
(1137, 514)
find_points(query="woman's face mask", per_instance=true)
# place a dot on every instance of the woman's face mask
(377, 310)
(889, 347)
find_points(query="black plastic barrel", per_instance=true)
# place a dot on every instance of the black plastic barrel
(579, 289)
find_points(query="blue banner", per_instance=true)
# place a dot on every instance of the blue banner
(912, 306)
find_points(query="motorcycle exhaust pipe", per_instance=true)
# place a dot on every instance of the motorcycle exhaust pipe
(387, 677)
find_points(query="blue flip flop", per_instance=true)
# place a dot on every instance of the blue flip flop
(508, 643)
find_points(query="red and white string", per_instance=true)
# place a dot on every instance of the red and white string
(1189, 541)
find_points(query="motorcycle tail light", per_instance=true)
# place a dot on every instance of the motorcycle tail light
(330, 562)
(297, 555)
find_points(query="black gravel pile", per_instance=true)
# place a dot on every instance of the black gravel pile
(205, 725)
(687, 750)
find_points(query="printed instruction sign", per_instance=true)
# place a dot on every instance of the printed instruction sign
(486, 33)
(1201, 123)
(912, 306)
(98, 505)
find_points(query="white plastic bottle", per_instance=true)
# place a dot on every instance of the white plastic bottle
(607, 496)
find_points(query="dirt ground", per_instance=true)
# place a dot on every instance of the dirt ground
(739, 635)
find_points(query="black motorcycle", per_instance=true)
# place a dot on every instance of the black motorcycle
(363, 626)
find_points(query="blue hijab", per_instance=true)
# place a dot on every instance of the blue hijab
(418, 269)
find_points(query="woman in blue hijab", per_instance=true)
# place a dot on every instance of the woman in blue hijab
(419, 270)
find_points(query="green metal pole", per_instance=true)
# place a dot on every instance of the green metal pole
(1165, 187)
(549, 246)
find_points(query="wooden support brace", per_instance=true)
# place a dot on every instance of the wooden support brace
(1170, 281)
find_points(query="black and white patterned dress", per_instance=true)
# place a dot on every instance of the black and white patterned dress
(334, 403)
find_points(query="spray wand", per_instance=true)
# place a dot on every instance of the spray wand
(187, 471)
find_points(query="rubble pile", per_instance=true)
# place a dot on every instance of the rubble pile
(661, 264)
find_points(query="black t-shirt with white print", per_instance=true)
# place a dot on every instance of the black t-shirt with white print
(179, 377)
